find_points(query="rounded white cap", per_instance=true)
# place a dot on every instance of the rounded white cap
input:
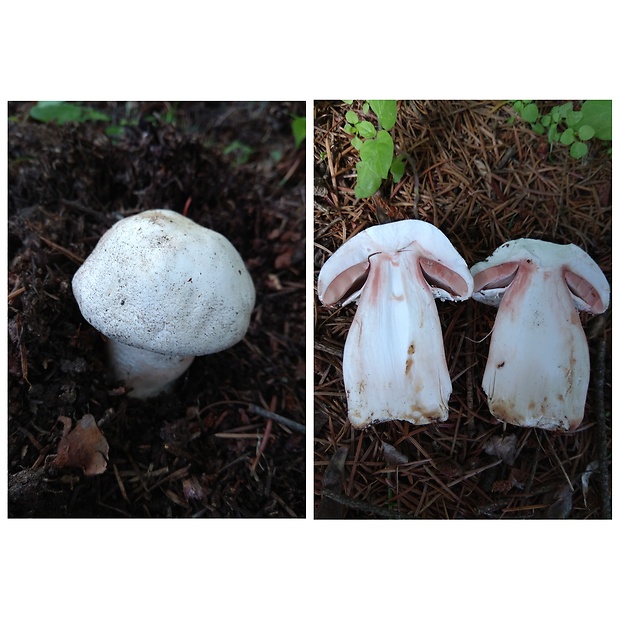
(160, 282)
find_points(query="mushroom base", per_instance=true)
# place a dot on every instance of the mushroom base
(146, 373)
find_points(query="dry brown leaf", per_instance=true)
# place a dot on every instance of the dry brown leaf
(333, 479)
(392, 455)
(504, 448)
(195, 489)
(284, 259)
(84, 446)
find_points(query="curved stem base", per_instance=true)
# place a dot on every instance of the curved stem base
(146, 373)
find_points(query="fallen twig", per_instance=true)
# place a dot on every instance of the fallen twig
(356, 504)
(300, 428)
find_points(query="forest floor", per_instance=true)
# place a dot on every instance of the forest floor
(207, 449)
(482, 178)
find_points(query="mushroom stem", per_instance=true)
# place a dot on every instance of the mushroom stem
(145, 372)
(394, 364)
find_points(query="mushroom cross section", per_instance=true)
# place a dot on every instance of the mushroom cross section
(538, 368)
(394, 364)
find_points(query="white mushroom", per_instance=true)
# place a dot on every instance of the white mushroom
(538, 368)
(163, 289)
(394, 363)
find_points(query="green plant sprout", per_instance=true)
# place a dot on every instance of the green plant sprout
(567, 126)
(241, 152)
(375, 146)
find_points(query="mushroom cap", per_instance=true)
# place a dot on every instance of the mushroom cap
(343, 274)
(160, 282)
(584, 279)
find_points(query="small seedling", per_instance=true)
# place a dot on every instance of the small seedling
(375, 146)
(567, 126)
(241, 152)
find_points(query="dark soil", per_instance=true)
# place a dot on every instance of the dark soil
(206, 449)
(483, 179)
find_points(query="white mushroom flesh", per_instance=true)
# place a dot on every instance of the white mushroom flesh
(394, 364)
(538, 368)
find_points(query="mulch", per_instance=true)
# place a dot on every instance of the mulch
(483, 178)
(209, 449)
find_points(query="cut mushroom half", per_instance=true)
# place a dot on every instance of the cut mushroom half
(538, 368)
(394, 364)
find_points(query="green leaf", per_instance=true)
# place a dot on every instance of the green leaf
(597, 114)
(366, 129)
(538, 128)
(365, 107)
(530, 113)
(368, 181)
(349, 129)
(378, 153)
(357, 143)
(578, 150)
(241, 151)
(585, 132)
(553, 133)
(385, 111)
(114, 131)
(298, 127)
(352, 117)
(545, 120)
(572, 118)
(55, 111)
(61, 112)
(565, 108)
(568, 137)
(518, 105)
(349, 101)
(398, 168)
(94, 115)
